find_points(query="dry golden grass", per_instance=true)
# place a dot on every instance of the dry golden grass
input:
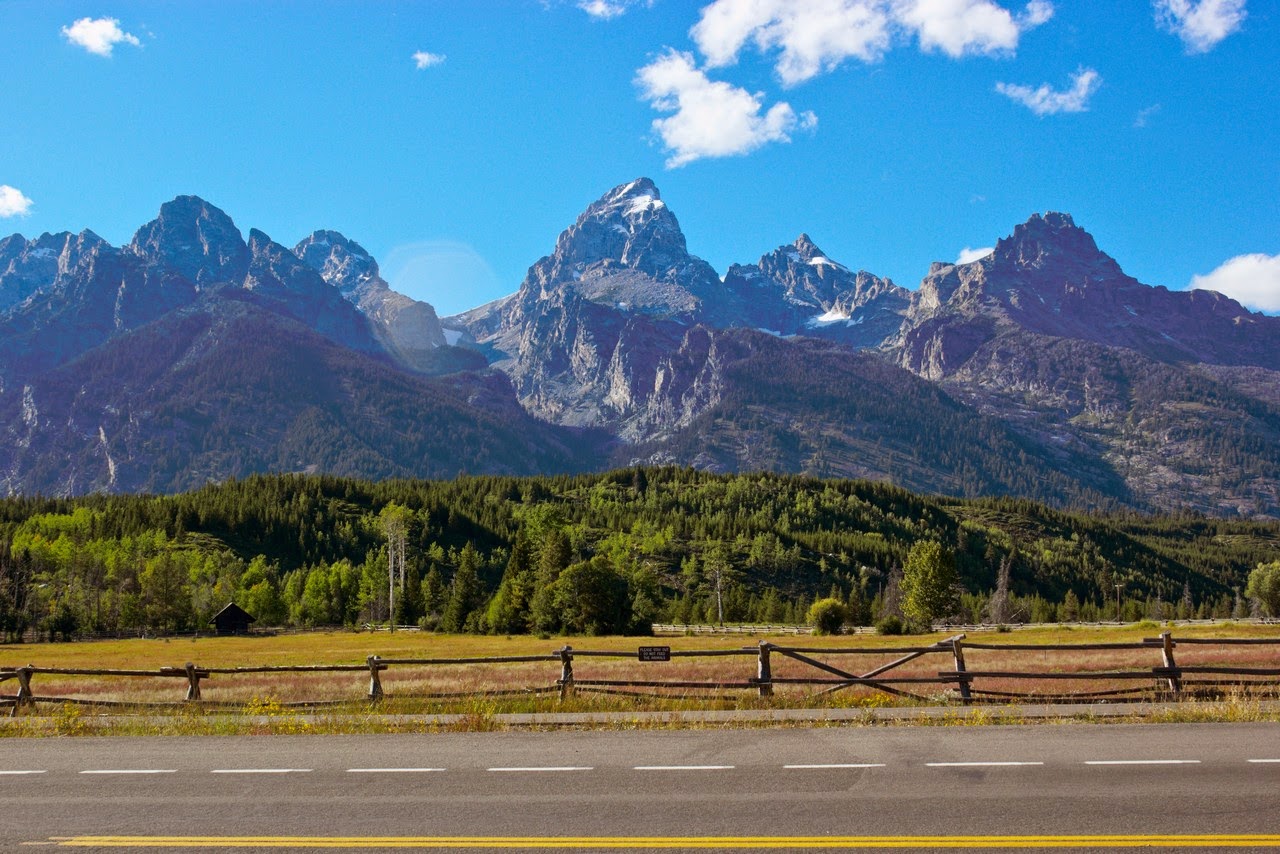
(468, 684)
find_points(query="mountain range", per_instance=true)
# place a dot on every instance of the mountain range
(1042, 370)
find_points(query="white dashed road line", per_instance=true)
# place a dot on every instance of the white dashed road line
(260, 771)
(20, 773)
(394, 770)
(1265, 761)
(978, 764)
(683, 768)
(1142, 762)
(833, 766)
(537, 768)
(131, 771)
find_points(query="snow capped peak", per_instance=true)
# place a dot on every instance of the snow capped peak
(804, 249)
(640, 204)
(638, 187)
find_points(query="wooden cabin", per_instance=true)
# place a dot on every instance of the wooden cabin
(232, 620)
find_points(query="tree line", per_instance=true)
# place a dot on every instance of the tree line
(599, 554)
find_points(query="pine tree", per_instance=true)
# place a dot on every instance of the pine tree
(552, 560)
(509, 610)
(466, 594)
(435, 595)
(1070, 610)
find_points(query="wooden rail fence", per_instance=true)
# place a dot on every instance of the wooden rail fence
(812, 668)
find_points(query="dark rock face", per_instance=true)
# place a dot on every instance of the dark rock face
(27, 265)
(279, 277)
(194, 239)
(65, 294)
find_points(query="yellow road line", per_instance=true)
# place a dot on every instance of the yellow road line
(684, 842)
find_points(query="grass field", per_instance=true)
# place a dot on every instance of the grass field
(473, 689)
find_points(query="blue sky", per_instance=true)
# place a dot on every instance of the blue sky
(455, 140)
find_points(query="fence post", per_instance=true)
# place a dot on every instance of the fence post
(957, 649)
(193, 683)
(566, 672)
(764, 671)
(375, 681)
(25, 697)
(1175, 681)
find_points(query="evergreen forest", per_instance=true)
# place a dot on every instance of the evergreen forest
(590, 554)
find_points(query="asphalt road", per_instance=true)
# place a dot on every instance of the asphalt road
(854, 788)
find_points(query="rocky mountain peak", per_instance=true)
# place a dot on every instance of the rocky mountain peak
(1048, 241)
(340, 261)
(807, 249)
(628, 226)
(804, 271)
(195, 239)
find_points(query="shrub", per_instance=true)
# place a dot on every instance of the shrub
(929, 582)
(891, 625)
(827, 616)
(1264, 587)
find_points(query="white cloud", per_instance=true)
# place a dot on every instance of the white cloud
(968, 256)
(959, 27)
(1200, 25)
(1045, 101)
(816, 36)
(607, 10)
(711, 118)
(812, 36)
(1253, 280)
(1037, 12)
(13, 202)
(1143, 118)
(422, 59)
(99, 35)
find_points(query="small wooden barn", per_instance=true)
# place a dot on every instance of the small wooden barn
(232, 620)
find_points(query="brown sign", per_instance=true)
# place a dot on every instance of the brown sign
(655, 653)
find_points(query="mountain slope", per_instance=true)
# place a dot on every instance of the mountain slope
(193, 354)
(1173, 390)
(230, 386)
(764, 404)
